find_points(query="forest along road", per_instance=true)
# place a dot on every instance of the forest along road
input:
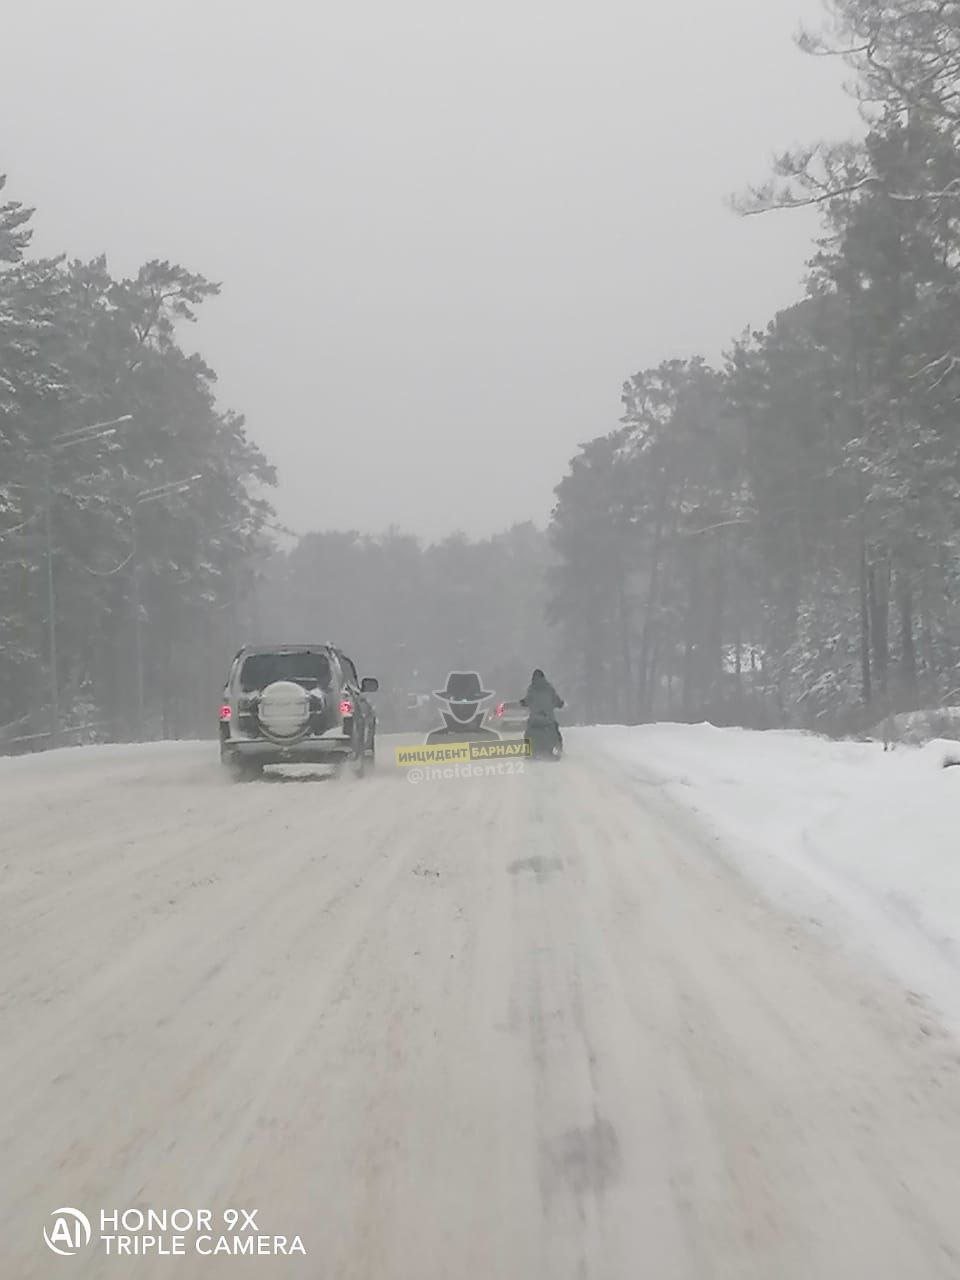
(514, 1026)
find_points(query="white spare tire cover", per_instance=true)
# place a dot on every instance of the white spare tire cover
(284, 709)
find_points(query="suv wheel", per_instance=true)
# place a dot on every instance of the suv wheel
(240, 770)
(358, 756)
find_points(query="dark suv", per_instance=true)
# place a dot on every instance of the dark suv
(295, 704)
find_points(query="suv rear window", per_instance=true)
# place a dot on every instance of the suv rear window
(312, 670)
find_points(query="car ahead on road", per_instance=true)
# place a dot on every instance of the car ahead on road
(508, 717)
(420, 713)
(511, 718)
(295, 704)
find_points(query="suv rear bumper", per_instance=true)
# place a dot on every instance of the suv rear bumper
(309, 751)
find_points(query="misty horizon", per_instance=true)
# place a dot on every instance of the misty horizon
(440, 236)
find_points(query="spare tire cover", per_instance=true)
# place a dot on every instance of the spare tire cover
(284, 709)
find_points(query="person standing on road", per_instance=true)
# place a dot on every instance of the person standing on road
(541, 698)
(543, 702)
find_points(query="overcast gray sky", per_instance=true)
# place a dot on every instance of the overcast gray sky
(446, 232)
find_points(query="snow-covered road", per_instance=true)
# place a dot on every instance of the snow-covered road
(506, 1028)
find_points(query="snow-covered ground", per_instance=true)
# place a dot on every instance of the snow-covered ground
(520, 1027)
(860, 842)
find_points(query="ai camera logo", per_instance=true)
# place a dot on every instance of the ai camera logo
(70, 1232)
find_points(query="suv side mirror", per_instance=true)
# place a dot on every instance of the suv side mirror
(369, 684)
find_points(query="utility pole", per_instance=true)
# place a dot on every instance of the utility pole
(51, 604)
(81, 435)
(138, 623)
(161, 491)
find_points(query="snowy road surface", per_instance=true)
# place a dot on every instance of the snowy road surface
(512, 1027)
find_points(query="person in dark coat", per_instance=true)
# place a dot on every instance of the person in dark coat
(542, 701)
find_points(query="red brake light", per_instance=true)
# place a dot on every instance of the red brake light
(500, 708)
(225, 712)
(346, 707)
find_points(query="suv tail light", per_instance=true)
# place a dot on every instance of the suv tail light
(225, 712)
(346, 707)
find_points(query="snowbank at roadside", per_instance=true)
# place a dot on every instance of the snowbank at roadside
(90, 757)
(862, 842)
